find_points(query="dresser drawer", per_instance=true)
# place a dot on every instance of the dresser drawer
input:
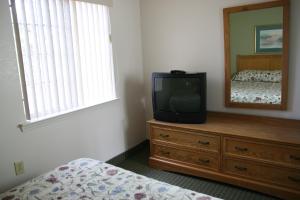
(203, 159)
(271, 174)
(196, 140)
(270, 152)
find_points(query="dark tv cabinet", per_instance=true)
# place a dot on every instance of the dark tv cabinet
(258, 153)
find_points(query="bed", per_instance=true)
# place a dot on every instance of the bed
(257, 80)
(91, 179)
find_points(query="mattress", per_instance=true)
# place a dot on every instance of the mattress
(91, 179)
(256, 92)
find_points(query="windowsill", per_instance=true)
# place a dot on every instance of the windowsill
(46, 120)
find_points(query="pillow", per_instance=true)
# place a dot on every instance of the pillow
(259, 76)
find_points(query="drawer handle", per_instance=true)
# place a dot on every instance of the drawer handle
(241, 149)
(166, 153)
(294, 157)
(294, 179)
(204, 160)
(203, 142)
(240, 168)
(164, 135)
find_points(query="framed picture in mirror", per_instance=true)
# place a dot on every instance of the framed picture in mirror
(268, 38)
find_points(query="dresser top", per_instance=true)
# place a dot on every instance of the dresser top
(266, 128)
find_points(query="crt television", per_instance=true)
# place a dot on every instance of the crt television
(179, 97)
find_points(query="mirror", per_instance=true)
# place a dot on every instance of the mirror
(256, 55)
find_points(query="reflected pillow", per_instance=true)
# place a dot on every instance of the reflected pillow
(259, 76)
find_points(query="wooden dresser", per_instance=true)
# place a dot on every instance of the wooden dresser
(258, 153)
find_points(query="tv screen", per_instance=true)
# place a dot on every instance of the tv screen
(179, 97)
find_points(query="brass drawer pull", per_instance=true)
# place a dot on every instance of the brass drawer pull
(165, 153)
(206, 161)
(241, 149)
(294, 157)
(164, 135)
(294, 179)
(240, 168)
(203, 142)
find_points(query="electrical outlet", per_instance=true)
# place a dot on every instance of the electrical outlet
(19, 167)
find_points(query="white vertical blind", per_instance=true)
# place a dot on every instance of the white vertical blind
(66, 55)
(102, 2)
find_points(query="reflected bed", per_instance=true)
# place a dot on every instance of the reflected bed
(257, 80)
(256, 92)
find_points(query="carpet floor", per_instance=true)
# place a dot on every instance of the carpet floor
(137, 162)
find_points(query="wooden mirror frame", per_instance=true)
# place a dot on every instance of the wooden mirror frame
(284, 87)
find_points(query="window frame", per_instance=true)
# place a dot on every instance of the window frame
(20, 59)
(61, 114)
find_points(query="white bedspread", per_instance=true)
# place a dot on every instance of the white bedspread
(92, 179)
(255, 92)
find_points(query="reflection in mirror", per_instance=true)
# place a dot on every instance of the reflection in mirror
(256, 44)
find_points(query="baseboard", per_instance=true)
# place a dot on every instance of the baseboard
(123, 156)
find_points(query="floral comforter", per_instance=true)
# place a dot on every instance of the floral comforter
(256, 92)
(91, 179)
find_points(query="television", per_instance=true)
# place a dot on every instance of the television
(179, 97)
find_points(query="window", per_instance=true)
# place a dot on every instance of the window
(64, 55)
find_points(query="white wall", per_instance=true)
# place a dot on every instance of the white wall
(189, 34)
(100, 132)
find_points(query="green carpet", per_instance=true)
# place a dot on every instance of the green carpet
(137, 161)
